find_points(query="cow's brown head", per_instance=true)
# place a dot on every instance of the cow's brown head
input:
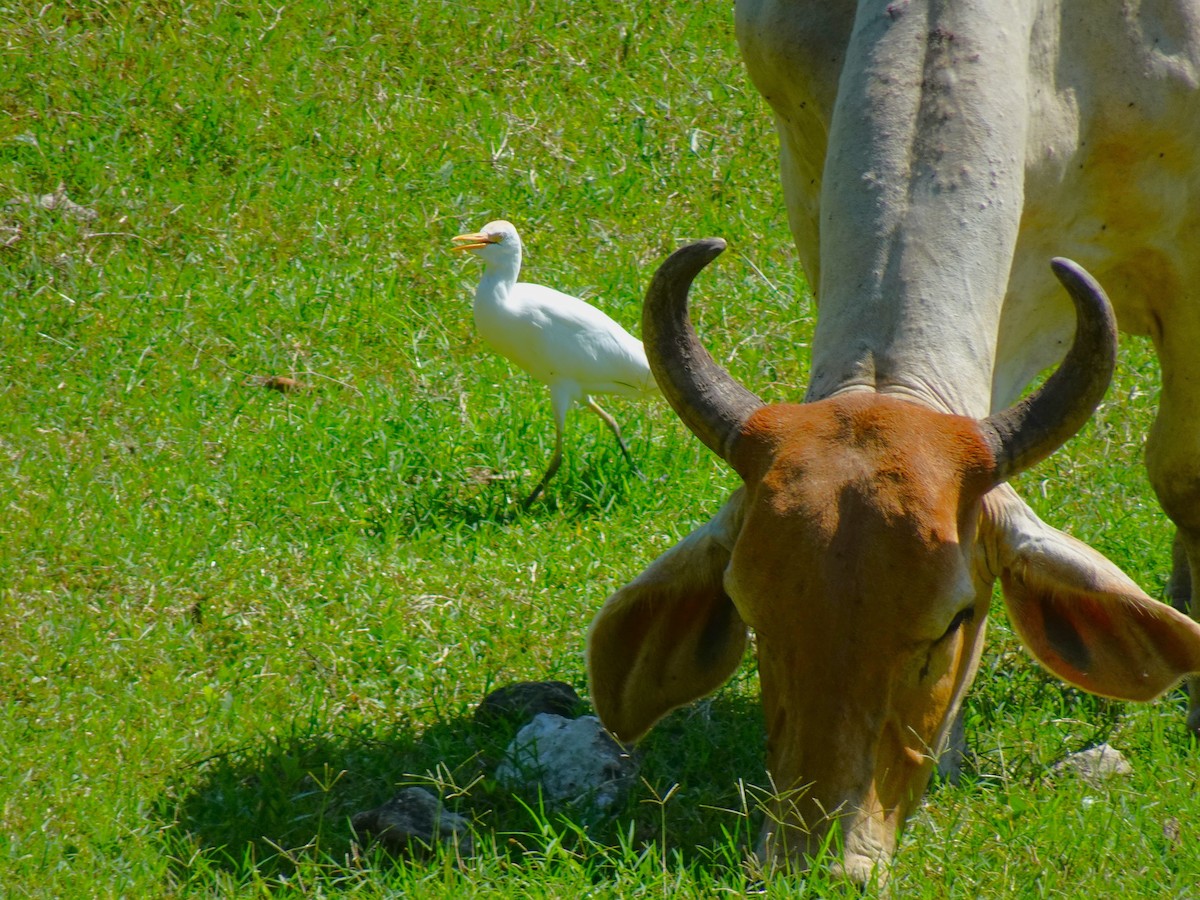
(862, 551)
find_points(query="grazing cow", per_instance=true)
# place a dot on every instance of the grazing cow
(935, 156)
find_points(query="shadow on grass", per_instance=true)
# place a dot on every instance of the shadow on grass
(470, 500)
(267, 809)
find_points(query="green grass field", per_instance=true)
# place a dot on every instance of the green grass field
(230, 617)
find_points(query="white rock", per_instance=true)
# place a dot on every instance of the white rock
(1095, 764)
(574, 762)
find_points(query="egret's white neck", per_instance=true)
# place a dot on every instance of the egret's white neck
(499, 276)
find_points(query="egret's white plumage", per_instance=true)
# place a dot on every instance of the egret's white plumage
(560, 340)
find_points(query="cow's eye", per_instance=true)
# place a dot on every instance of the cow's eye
(960, 618)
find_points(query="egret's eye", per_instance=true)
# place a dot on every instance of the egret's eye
(960, 618)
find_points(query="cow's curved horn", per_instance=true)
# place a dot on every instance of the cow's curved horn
(708, 400)
(1039, 424)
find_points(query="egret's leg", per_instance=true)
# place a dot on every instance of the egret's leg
(611, 423)
(561, 401)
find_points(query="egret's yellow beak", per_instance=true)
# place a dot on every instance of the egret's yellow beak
(474, 241)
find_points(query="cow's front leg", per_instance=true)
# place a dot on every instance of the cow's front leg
(1173, 460)
(1179, 587)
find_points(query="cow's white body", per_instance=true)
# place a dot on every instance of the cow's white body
(970, 148)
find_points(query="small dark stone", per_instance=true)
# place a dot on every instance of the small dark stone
(281, 383)
(520, 702)
(412, 822)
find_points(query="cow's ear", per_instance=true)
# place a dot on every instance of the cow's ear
(672, 635)
(1080, 615)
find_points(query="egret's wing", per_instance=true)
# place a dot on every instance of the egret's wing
(555, 335)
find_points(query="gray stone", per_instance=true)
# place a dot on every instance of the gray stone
(413, 821)
(60, 202)
(1095, 764)
(574, 763)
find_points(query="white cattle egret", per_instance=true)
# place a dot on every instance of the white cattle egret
(563, 342)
